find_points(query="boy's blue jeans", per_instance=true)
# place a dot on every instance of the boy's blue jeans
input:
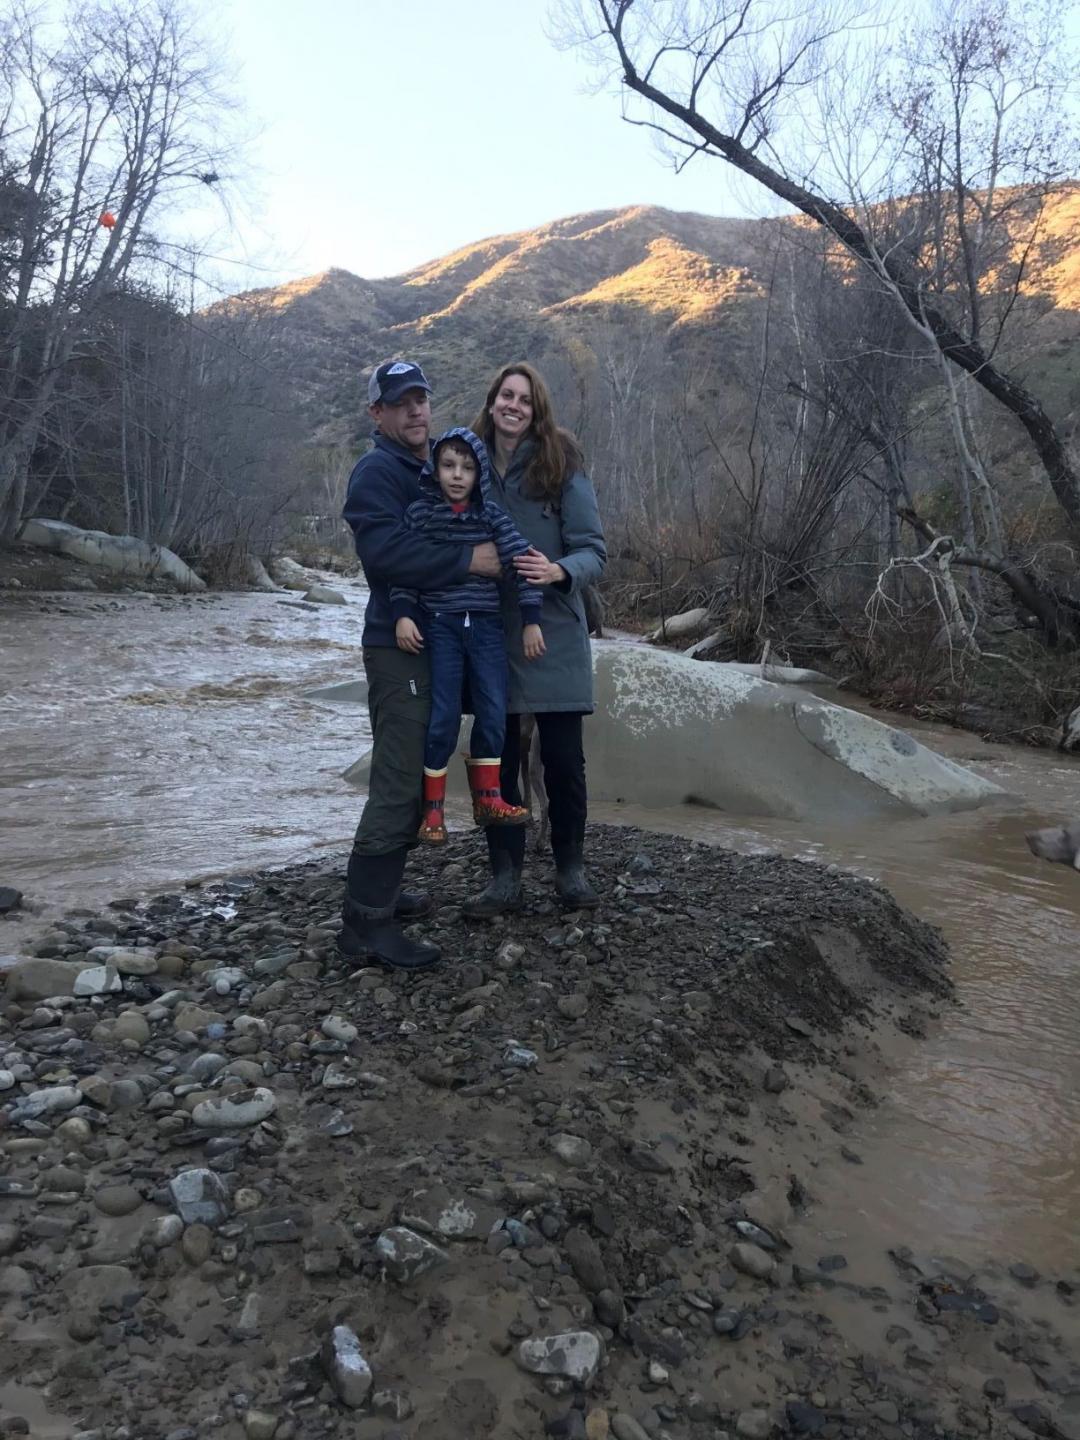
(457, 650)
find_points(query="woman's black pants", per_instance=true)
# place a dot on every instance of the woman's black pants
(563, 756)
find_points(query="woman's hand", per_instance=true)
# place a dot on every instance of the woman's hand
(532, 639)
(408, 636)
(537, 569)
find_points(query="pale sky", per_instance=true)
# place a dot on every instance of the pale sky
(393, 131)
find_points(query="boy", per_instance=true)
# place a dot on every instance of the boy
(461, 627)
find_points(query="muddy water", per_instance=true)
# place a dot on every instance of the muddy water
(146, 740)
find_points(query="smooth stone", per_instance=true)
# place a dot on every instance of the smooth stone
(572, 1150)
(117, 1200)
(585, 1260)
(239, 1110)
(124, 959)
(131, 1026)
(337, 1028)
(47, 1102)
(260, 1425)
(41, 979)
(751, 1260)
(196, 1243)
(753, 1425)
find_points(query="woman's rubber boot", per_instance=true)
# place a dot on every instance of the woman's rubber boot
(488, 806)
(502, 894)
(571, 886)
(433, 826)
(369, 930)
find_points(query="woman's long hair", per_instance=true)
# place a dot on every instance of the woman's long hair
(558, 454)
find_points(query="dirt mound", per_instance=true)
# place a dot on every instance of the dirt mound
(513, 1196)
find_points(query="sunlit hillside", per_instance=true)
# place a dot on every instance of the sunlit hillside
(686, 277)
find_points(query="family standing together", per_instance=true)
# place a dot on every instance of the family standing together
(477, 551)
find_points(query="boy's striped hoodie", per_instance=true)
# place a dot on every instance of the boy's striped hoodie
(482, 520)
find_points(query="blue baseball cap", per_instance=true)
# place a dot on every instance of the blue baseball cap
(392, 379)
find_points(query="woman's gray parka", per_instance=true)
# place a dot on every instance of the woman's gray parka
(569, 532)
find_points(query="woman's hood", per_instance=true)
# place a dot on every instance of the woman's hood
(482, 489)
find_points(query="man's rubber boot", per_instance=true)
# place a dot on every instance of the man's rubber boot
(488, 806)
(433, 826)
(369, 930)
(571, 886)
(502, 894)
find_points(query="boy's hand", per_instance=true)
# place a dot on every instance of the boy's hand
(533, 640)
(409, 638)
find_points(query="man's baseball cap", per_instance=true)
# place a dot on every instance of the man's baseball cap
(391, 380)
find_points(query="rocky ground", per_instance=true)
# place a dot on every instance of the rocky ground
(558, 1186)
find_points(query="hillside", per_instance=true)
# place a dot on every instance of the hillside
(686, 280)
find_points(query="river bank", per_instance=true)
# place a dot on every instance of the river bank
(577, 1112)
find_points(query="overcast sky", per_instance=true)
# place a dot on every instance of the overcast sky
(390, 133)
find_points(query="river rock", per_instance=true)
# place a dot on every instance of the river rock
(407, 1255)
(585, 1260)
(196, 1243)
(239, 1110)
(346, 1369)
(7, 1081)
(260, 1425)
(452, 1217)
(9, 1238)
(572, 1150)
(10, 899)
(324, 595)
(751, 1260)
(40, 979)
(47, 1102)
(131, 1026)
(97, 980)
(117, 1200)
(338, 1028)
(127, 961)
(575, 1355)
(753, 1425)
(200, 1197)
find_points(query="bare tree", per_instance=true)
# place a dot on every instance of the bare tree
(724, 78)
(104, 119)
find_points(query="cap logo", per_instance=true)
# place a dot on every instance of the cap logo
(400, 368)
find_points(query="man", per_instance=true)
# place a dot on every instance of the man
(382, 486)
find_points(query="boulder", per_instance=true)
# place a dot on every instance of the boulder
(39, 978)
(324, 595)
(290, 575)
(120, 554)
(669, 730)
(255, 574)
(682, 627)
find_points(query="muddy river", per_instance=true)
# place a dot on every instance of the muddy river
(147, 740)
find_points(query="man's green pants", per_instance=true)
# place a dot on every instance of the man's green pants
(399, 701)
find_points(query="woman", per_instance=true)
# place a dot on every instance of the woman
(537, 478)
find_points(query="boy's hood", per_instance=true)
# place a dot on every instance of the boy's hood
(481, 492)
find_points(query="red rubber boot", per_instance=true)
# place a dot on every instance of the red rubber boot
(489, 808)
(433, 826)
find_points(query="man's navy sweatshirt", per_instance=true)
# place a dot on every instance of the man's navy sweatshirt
(478, 520)
(382, 486)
